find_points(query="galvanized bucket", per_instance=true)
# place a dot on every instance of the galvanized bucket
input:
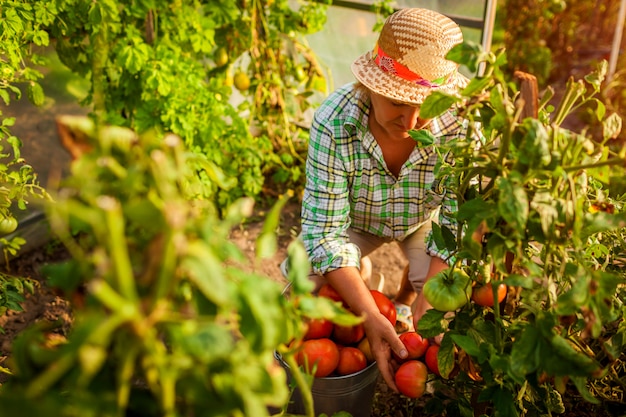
(351, 393)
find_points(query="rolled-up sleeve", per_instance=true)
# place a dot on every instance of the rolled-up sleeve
(325, 205)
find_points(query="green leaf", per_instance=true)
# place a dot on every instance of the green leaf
(206, 272)
(266, 245)
(611, 126)
(446, 356)
(525, 353)
(4, 95)
(602, 222)
(436, 104)
(466, 53)
(512, 203)
(504, 402)
(597, 77)
(467, 343)
(41, 38)
(262, 318)
(299, 268)
(443, 237)
(476, 85)
(564, 360)
(432, 323)
(35, 93)
(423, 137)
(476, 208)
(325, 308)
(582, 387)
(577, 296)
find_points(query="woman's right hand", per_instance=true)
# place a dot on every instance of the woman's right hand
(384, 340)
(380, 333)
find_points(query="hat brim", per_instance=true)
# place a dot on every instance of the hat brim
(395, 88)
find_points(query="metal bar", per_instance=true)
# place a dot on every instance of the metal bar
(617, 39)
(466, 21)
(489, 19)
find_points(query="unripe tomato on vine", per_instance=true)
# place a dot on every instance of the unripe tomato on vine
(220, 57)
(8, 225)
(448, 290)
(241, 81)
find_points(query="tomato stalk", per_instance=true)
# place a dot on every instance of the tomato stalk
(298, 376)
(499, 343)
(124, 376)
(117, 245)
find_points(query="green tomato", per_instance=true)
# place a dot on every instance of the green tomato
(449, 290)
(8, 225)
(220, 57)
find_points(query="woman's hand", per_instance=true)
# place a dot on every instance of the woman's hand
(380, 332)
(383, 339)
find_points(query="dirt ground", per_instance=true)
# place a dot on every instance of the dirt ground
(388, 261)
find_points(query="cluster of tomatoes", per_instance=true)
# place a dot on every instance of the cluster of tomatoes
(451, 289)
(328, 349)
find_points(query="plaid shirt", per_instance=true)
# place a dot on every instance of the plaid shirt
(349, 185)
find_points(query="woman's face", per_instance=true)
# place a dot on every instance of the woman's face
(395, 118)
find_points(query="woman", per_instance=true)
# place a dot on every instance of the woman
(369, 183)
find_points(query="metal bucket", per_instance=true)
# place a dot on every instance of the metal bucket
(352, 393)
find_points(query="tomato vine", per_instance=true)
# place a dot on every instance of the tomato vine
(542, 209)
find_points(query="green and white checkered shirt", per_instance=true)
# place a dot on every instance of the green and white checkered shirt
(349, 185)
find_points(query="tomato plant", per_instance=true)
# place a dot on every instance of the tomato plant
(411, 378)
(351, 360)
(164, 304)
(385, 306)
(318, 356)
(483, 295)
(541, 210)
(449, 290)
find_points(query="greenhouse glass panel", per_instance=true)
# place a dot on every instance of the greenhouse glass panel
(348, 32)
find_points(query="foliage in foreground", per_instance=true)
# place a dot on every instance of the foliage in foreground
(170, 320)
(542, 208)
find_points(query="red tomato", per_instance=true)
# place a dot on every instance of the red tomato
(319, 354)
(348, 335)
(351, 360)
(364, 346)
(318, 329)
(483, 295)
(328, 291)
(415, 345)
(385, 306)
(431, 359)
(411, 378)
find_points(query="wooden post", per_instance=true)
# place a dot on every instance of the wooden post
(529, 94)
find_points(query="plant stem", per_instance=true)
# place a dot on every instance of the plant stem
(305, 389)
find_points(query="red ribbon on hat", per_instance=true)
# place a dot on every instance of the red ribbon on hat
(390, 65)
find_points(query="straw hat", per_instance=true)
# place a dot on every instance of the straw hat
(408, 61)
